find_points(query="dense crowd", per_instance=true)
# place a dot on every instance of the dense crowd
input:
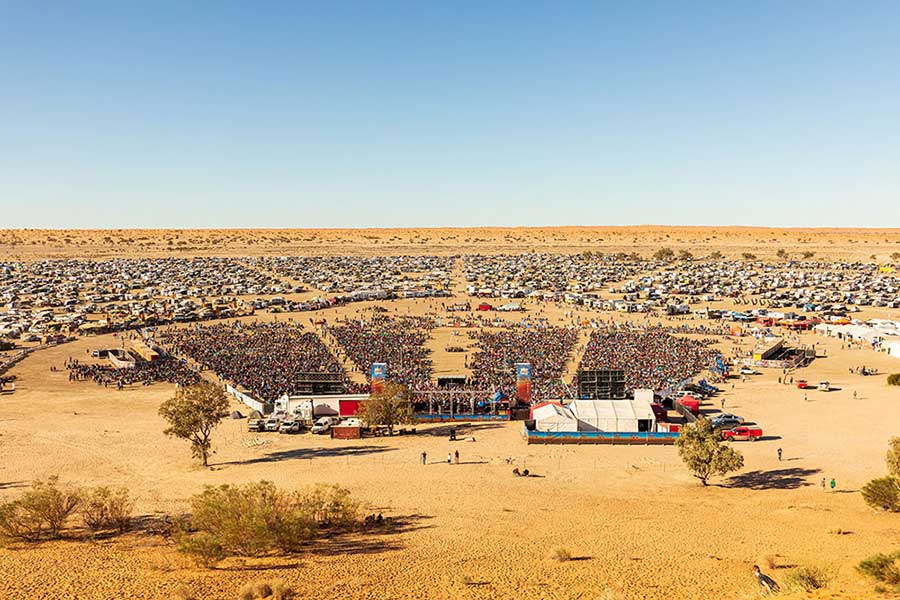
(266, 359)
(652, 359)
(398, 342)
(166, 370)
(547, 349)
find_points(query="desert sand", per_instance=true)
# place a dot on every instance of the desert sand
(640, 525)
(859, 244)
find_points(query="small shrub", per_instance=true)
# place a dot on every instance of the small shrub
(807, 579)
(748, 256)
(664, 254)
(257, 519)
(884, 568)
(40, 512)
(183, 593)
(203, 547)
(561, 555)
(893, 379)
(103, 508)
(275, 590)
(882, 493)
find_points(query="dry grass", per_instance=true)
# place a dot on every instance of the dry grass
(561, 554)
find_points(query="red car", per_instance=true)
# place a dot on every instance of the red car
(742, 433)
(801, 384)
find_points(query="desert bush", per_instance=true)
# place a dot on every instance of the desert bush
(748, 256)
(274, 590)
(104, 508)
(882, 493)
(664, 254)
(201, 546)
(561, 555)
(258, 518)
(807, 579)
(884, 568)
(893, 379)
(40, 512)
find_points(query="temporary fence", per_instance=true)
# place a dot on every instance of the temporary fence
(600, 437)
(458, 418)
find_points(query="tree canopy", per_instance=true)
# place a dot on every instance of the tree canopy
(704, 453)
(193, 413)
(389, 407)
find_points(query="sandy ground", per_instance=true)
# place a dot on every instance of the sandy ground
(640, 525)
(858, 244)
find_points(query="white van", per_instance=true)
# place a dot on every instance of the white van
(323, 424)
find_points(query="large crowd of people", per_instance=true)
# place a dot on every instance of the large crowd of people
(266, 359)
(547, 349)
(398, 342)
(168, 370)
(652, 359)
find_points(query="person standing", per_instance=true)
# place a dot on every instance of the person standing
(779, 455)
(424, 457)
(449, 459)
(456, 456)
(833, 484)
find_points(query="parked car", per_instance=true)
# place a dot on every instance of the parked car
(743, 433)
(802, 384)
(256, 424)
(323, 425)
(273, 423)
(748, 371)
(289, 426)
(824, 386)
(726, 421)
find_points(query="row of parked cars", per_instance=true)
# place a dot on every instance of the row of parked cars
(283, 423)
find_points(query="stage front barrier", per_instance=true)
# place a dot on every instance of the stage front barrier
(600, 437)
(459, 418)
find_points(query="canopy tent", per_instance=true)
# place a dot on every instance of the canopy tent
(550, 416)
(614, 415)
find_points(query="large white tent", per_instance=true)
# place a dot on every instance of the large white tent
(614, 415)
(550, 416)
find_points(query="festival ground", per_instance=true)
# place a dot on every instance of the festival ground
(639, 524)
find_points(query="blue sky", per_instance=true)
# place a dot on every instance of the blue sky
(293, 114)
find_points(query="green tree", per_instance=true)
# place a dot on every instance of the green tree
(703, 452)
(389, 407)
(193, 414)
(665, 253)
(882, 493)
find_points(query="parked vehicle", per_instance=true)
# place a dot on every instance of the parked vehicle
(256, 424)
(741, 434)
(323, 424)
(802, 384)
(351, 422)
(289, 426)
(726, 421)
(824, 386)
(748, 371)
(273, 423)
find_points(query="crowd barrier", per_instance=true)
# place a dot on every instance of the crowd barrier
(600, 437)
(261, 407)
(436, 418)
(21, 354)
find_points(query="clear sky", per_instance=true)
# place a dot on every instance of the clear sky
(331, 114)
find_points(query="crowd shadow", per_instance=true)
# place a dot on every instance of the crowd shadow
(462, 429)
(310, 453)
(777, 479)
(372, 540)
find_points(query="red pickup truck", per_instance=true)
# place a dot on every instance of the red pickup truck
(742, 433)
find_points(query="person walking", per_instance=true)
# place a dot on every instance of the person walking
(854, 394)
(449, 459)
(424, 457)
(779, 455)
(823, 484)
(456, 456)
(833, 484)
